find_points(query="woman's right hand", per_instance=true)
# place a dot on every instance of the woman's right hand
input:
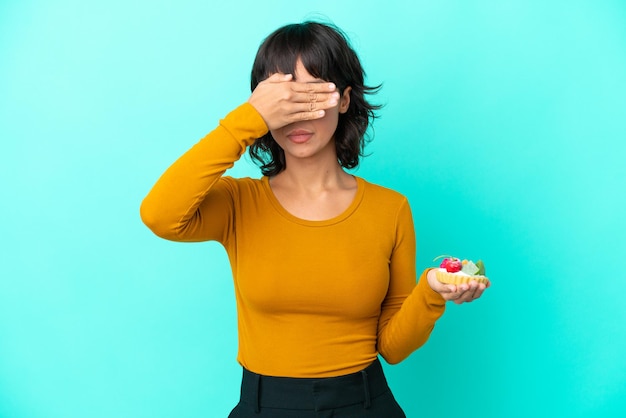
(281, 101)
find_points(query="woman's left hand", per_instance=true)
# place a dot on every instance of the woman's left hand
(457, 293)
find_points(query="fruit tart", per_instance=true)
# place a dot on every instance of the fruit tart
(453, 270)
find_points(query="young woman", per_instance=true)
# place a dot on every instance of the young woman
(323, 262)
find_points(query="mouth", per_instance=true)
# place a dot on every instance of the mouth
(299, 136)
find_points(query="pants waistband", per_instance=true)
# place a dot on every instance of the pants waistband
(313, 393)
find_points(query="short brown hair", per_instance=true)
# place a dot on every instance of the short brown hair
(326, 54)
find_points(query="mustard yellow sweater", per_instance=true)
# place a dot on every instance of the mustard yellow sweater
(314, 298)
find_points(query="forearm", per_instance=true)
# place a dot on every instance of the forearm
(172, 205)
(410, 326)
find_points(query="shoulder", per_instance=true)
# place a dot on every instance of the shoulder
(241, 183)
(240, 191)
(383, 194)
(389, 207)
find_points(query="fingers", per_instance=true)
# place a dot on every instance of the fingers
(312, 104)
(308, 91)
(282, 101)
(315, 95)
(316, 103)
(311, 115)
(467, 293)
(462, 293)
(312, 97)
(323, 87)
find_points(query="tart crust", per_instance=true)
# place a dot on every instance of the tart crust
(452, 278)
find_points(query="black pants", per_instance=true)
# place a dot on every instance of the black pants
(357, 395)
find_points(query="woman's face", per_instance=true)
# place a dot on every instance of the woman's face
(313, 138)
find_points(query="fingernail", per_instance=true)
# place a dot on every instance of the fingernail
(332, 86)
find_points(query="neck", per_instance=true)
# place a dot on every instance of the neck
(312, 176)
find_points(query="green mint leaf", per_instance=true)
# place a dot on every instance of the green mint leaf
(481, 267)
(470, 268)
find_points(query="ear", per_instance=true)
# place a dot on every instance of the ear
(344, 101)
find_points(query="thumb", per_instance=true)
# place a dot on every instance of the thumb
(449, 288)
(439, 287)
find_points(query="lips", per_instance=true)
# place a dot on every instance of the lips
(299, 136)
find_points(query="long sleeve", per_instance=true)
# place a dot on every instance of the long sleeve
(314, 298)
(409, 311)
(186, 204)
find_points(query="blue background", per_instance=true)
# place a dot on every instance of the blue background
(504, 124)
